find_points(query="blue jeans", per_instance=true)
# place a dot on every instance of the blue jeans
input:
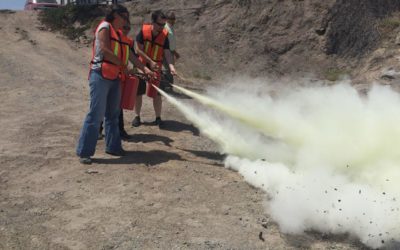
(105, 99)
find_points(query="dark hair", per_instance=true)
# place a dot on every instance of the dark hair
(170, 15)
(119, 9)
(157, 14)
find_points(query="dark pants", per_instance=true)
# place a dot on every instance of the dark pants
(120, 123)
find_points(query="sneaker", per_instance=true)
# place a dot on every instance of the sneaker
(158, 122)
(85, 160)
(124, 135)
(119, 153)
(136, 122)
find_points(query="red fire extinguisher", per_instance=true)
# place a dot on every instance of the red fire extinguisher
(129, 91)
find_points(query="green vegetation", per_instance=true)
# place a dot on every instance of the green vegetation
(203, 76)
(390, 23)
(72, 20)
(334, 74)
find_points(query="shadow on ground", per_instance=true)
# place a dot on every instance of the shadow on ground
(146, 138)
(150, 158)
(176, 126)
(215, 156)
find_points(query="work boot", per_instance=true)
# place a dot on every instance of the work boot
(119, 153)
(85, 160)
(159, 122)
(136, 122)
(124, 135)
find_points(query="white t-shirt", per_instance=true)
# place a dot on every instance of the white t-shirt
(98, 55)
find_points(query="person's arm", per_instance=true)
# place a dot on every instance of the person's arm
(105, 47)
(169, 57)
(139, 51)
(170, 61)
(137, 63)
(172, 43)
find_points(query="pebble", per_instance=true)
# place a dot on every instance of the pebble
(91, 171)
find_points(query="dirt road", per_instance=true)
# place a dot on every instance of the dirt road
(171, 191)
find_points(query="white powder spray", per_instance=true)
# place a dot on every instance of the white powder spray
(332, 157)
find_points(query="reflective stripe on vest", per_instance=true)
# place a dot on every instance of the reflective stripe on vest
(116, 49)
(127, 55)
(146, 48)
(155, 51)
(126, 45)
(154, 47)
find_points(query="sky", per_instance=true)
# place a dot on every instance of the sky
(12, 4)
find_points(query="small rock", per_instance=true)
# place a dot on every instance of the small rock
(91, 171)
(320, 31)
(390, 74)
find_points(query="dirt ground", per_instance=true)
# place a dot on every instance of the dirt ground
(170, 192)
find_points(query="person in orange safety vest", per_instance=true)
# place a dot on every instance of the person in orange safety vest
(106, 68)
(152, 45)
(128, 54)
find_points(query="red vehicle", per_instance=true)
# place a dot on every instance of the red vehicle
(40, 4)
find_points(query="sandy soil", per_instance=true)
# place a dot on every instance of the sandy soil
(171, 191)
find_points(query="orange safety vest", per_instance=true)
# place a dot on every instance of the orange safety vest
(109, 70)
(153, 48)
(126, 45)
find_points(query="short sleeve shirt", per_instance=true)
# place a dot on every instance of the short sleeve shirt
(98, 55)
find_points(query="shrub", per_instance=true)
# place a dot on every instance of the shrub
(389, 23)
(71, 20)
(333, 74)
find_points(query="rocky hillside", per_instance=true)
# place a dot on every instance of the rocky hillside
(280, 37)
